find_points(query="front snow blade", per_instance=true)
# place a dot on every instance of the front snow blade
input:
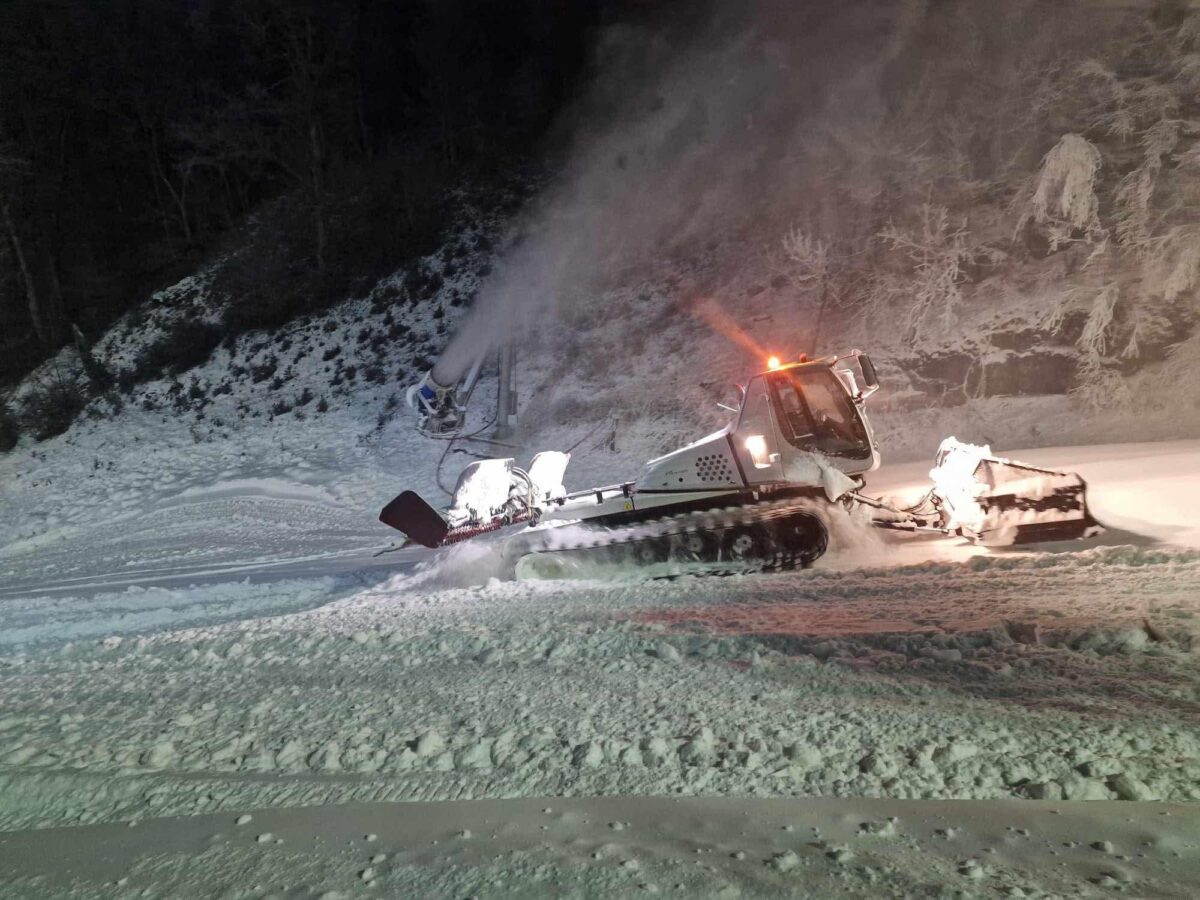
(416, 518)
(1027, 505)
(998, 502)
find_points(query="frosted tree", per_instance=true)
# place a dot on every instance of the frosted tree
(1064, 200)
(936, 253)
(1184, 359)
(1135, 194)
(814, 270)
(1099, 384)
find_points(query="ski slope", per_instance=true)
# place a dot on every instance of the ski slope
(258, 660)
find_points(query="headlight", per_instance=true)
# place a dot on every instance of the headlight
(756, 444)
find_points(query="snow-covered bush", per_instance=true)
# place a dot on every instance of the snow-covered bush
(51, 404)
(187, 344)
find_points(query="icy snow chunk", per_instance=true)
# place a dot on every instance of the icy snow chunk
(1076, 787)
(476, 756)
(430, 744)
(955, 751)
(631, 756)
(1049, 790)
(804, 757)
(884, 829)
(701, 749)
(840, 854)
(265, 838)
(785, 861)
(263, 760)
(667, 653)
(243, 819)
(327, 758)
(971, 868)
(1129, 788)
(750, 760)
(159, 756)
(1100, 768)
(656, 750)
(879, 764)
(405, 759)
(589, 755)
(290, 755)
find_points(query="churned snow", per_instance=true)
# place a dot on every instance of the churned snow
(901, 668)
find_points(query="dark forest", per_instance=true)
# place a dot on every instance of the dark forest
(138, 135)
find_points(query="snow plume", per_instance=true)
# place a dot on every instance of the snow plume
(694, 128)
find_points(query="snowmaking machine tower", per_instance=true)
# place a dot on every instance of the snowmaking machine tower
(441, 397)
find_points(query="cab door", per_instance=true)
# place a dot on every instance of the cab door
(756, 439)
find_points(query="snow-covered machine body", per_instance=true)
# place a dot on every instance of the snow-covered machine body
(760, 491)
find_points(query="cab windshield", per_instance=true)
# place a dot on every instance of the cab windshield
(816, 414)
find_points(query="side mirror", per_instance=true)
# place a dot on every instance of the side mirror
(870, 379)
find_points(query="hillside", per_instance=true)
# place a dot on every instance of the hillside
(1024, 276)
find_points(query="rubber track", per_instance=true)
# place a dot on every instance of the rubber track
(605, 541)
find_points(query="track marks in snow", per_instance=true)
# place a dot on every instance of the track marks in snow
(519, 689)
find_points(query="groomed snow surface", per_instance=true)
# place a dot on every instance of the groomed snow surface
(232, 653)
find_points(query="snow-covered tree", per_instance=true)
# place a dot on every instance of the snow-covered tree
(1064, 201)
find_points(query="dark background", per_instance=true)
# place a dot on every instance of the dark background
(141, 137)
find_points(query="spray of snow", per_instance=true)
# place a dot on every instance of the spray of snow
(693, 131)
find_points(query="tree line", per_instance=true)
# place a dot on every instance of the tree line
(136, 135)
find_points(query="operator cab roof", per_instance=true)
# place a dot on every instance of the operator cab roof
(802, 363)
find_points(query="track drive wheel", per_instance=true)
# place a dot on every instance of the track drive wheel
(694, 546)
(649, 551)
(746, 543)
(803, 539)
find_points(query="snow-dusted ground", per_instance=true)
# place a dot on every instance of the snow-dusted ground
(233, 647)
(625, 846)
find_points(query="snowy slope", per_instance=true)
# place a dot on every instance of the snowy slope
(140, 679)
(193, 625)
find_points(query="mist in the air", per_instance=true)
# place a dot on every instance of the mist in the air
(700, 126)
